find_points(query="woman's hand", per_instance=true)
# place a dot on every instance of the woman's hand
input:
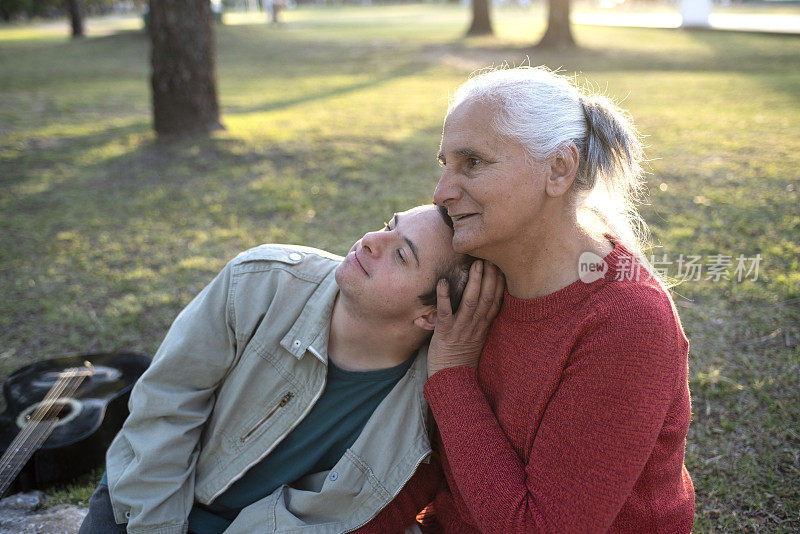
(458, 338)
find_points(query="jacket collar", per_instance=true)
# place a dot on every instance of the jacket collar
(311, 330)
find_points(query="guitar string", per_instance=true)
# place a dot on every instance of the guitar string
(13, 465)
(33, 423)
(49, 404)
(55, 392)
(38, 430)
(69, 380)
(11, 459)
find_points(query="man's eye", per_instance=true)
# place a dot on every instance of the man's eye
(400, 255)
(471, 162)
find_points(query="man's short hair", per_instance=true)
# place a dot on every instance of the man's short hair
(456, 272)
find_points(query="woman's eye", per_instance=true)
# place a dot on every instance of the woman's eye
(400, 255)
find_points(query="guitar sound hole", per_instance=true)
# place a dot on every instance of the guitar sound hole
(62, 410)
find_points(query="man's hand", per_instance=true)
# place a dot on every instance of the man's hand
(458, 339)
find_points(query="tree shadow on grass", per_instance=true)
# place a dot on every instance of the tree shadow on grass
(405, 69)
(39, 153)
(152, 159)
(286, 191)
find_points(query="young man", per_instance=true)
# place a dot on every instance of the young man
(288, 393)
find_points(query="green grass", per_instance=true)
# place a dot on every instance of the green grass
(333, 121)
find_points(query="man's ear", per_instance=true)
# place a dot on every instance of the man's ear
(563, 169)
(428, 320)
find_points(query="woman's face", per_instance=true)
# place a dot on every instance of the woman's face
(489, 188)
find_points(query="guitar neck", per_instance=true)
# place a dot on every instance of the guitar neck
(39, 426)
(32, 436)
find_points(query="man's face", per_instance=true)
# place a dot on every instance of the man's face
(489, 187)
(387, 270)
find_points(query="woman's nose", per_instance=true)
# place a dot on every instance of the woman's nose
(447, 189)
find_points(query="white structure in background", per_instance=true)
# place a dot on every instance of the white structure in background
(695, 13)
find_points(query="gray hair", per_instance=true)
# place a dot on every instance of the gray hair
(544, 111)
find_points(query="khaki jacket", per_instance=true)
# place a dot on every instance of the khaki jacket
(240, 367)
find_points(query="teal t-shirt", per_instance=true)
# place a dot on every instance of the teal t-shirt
(316, 444)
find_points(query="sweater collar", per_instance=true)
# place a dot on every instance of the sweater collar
(526, 310)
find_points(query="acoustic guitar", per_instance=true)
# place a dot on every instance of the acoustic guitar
(61, 415)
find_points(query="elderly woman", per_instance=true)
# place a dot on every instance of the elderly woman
(573, 417)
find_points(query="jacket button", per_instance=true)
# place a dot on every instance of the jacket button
(333, 476)
(128, 515)
(294, 256)
(296, 343)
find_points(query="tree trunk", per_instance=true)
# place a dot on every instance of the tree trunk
(76, 17)
(184, 78)
(481, 22)
(559, 31)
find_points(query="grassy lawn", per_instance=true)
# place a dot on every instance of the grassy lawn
(333, 122)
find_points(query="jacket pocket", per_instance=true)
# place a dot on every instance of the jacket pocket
(287, 397)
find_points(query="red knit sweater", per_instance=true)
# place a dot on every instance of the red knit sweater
(575, 420)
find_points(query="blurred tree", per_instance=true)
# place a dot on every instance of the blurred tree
(11, 9)
(184, 77)
(559, 31)
(76, 17)
(481, 22)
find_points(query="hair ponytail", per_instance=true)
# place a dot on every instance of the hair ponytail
(612, 150)
(609, 179)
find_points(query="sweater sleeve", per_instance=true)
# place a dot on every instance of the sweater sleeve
(402, 511)
(596, 434)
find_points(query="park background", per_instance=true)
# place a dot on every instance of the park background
(333, 119)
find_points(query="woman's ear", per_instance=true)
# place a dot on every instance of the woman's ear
(563, 169)
(428, 320)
